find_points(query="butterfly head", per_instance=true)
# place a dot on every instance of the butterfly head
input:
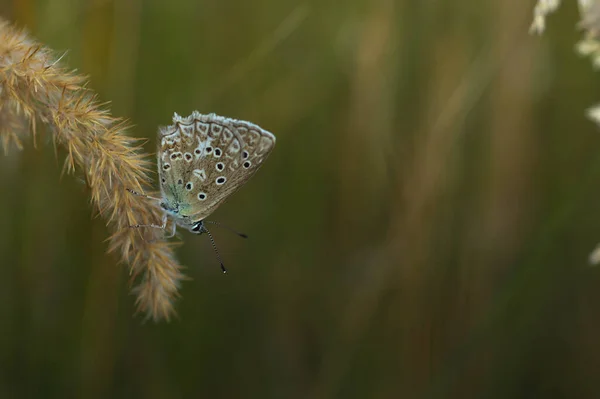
(166, 206)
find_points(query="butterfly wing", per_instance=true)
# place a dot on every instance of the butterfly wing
(209, 158)
(170, 144)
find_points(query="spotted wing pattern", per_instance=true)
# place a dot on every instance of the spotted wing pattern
(203, 159)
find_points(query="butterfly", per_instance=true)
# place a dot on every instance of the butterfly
(202, 160)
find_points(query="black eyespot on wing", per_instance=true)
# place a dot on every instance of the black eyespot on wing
(218, 152)
(247, 164)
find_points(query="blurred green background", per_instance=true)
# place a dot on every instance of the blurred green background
(420, 231)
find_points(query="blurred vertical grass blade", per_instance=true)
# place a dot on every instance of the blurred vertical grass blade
(124, 57)
(367, 129)
(443, 275)
(33, 87)
(241, 69)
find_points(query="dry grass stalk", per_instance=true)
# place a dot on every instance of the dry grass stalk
(588, 46)
(589, 11)
(35, 88)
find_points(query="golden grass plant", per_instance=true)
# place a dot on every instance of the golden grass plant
(35, 88)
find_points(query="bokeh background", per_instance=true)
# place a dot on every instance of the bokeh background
(422, 229)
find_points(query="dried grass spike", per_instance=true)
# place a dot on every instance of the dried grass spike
(34, 87)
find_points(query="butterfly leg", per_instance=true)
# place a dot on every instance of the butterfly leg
(143, 195)
(156, 226)
(173, 229)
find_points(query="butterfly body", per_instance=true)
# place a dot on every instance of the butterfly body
(202, 160)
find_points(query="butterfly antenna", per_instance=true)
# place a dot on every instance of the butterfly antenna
(226, 227)
(212, 240)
